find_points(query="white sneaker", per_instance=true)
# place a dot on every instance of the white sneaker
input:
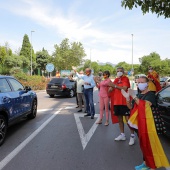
(120, 137)
(132, 141)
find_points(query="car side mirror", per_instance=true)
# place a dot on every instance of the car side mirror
(27, 88)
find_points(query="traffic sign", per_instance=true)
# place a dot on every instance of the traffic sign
(50, 67)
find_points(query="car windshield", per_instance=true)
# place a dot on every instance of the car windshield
(163, 79)
(57, 80)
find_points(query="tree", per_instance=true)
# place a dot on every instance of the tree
(42, 58)
(153, 59)
(3, 55)
(161, 7)
(26, 51)
(68, 54)
(26, 47)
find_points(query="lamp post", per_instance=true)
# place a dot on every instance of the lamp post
(31, 51)
(132, 71)
(90, 58)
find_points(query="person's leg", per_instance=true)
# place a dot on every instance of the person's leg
(84, 101)
(106, 105)
(91, 103)
(101, 107)
(121, 123)
(87, 101)
(79, 100)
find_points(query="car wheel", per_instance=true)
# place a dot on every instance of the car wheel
(3, 129)
(71, 93)
(33, 113)
(51, 95)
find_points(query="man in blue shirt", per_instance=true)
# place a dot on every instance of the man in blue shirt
(89, 84)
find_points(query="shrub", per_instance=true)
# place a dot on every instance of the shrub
(35, 82)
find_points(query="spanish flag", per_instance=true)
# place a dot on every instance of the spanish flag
(141, 118)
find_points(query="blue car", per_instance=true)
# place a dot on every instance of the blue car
(16, 102)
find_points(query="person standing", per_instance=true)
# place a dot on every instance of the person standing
(80, 94)
(142, 120)
(119, 103)
(104, 98)
(89, 84)
(154, 83)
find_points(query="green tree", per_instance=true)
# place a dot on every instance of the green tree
(161, 8)
(42, 59)
(68, 54)
(3, 55)
(26, 51)
(153, 59)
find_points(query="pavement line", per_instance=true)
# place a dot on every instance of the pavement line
(85, 138)
(43, 110)
(11, 155)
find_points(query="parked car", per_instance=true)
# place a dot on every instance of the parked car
(16, 102)
(163, 101)
(62, 87)
(164, 81)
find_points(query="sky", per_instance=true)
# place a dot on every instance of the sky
(107, 31)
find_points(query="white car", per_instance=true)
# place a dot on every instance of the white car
(164, 81)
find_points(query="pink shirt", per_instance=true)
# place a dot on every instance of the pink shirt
(104, 88)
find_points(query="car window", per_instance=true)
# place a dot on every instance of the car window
(4, 86)
(17, 86)
(57, 80)
(164, 96)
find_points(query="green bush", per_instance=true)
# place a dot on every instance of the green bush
(35, 82)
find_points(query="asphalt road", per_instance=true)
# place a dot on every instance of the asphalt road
(59, 138)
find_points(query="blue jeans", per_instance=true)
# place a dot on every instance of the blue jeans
(88, 94)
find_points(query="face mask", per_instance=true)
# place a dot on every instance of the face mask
(119, 74)
(142, 86)
(150, 71)
(104, 76)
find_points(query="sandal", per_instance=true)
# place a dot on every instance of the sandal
(107, 123)
(99, 122)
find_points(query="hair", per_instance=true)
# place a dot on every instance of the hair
(88, 69)
(144, 77)
(121, 68)
(107, 73)
(150, 67)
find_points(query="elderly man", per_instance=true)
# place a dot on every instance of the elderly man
(89, 84)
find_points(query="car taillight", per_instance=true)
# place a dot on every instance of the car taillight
(64, 86)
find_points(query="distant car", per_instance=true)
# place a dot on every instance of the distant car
(62, 87)
(137, 77)
(163, 101)
(164, 81)
(16, 102)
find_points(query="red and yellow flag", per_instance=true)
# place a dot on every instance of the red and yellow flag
(141, 118)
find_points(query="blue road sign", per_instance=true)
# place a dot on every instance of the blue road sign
(50, 67)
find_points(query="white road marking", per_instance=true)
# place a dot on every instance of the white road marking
(10, 156)
(43, 110)
(70, 107)
(85, 138)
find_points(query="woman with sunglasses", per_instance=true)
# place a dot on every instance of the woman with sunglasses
(104, 98)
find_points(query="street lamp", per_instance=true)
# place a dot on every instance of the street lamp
(132, 53)
(132, 71)
(90, 58)
(31, 51)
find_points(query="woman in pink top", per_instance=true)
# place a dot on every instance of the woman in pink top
(104, 98)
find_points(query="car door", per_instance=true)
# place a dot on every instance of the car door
(24, 98)
(163, 101)
(8, 99)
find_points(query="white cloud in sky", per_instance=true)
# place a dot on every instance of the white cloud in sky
(108, 45)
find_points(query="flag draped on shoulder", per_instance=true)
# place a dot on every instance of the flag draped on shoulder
(141, 118)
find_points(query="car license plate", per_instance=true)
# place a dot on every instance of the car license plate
(54, 86)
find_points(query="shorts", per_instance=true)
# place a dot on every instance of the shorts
(121, 110)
